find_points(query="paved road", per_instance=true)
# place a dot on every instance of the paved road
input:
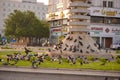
(13, 73)
(64, 71)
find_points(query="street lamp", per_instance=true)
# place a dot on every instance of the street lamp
(57, 38)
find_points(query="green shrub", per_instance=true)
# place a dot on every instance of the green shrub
(117, 51)
(90, 58)
(47, 58)
(65, 60)
(117, 60)
(103, 60)
(5, 47)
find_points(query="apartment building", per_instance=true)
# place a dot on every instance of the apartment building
(8, 6)
(104, 25)
(58, 18)
(105, 21)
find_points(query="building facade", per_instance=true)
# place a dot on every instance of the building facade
(104, 15)
(8, 6)
(58, 18)
(105, 21)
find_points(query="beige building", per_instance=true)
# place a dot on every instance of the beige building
(66, 16)
(105, 21)
(58, 17)
(104, 18)
(8, 6)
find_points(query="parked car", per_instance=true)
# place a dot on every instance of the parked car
(115, 46)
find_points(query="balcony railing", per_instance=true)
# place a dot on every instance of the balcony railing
(73, 4)
(104, 24)
(79, 29)
(79, 17)
(83, 10)
(54, 18)
(77, 23)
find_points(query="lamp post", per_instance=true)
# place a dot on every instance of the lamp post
(57, 38)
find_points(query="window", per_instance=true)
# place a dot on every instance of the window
(115, 20)
(4, 9)
(8, 4)
(110, 4)
(39, 8)
(4, 14)
(3, 4)
(14, 5)
(29, 7)
(107, 20)
(18, 6)
(9, 10)
(104, 3)
(95, 19)
(38, 13)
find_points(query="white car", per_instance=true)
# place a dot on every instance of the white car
(115, 46)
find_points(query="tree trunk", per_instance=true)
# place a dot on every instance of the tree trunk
(40, 41)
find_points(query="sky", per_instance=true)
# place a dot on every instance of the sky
(44, 1)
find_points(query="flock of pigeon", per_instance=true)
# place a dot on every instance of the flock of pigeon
(78, 43)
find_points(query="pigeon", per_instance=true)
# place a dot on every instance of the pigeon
(71, 38)
(81, 51)
(66, 45)
(80, 38)
(80, 43)
(68, 38)
(75, 40)
(70, 49)
(92, 50)
(88, 47)
(87, 52)
(64, 49)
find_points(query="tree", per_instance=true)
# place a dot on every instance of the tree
(25, 25)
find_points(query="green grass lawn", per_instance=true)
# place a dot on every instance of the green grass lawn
(48, 64)
(91, 65)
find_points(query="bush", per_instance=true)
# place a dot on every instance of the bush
(90, 58)
(47, 58)
(65, 60)
(117, 60)
(117, 51)
(103, 60)
(6, 47)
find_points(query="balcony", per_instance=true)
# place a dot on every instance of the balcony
(103, 24)
(54, 18)
(78, 3)
(79, 10)
(77, 23)
(79, 17)
(79, 29)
